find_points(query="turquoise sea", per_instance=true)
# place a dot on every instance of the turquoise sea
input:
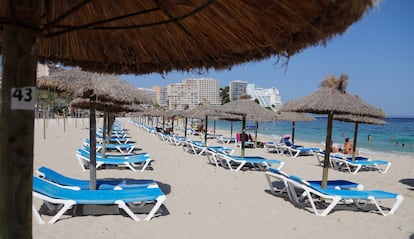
(395, 137)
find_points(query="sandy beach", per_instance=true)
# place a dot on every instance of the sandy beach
(204, 201)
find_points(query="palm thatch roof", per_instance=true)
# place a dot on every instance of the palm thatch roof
(250, 109)
(105, 106)
(106, 87)
(140, 37)
(359, 119)
(293, 117)
(162, 36)
(203, 110)
(332, 97)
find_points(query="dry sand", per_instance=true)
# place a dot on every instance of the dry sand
(204, 201)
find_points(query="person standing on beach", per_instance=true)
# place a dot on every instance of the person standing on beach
(347, 146)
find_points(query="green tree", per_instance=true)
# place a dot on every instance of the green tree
(224, 95)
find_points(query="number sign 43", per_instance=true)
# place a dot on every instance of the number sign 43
(23, 98)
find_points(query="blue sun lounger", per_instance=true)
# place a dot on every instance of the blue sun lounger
(131, 161)
(122, 148)
(101, 184)
(255, 161)
(354, 166)
(283, 177)
(53, 194)
(302, 191)
(118, 140)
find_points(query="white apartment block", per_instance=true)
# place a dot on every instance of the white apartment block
(208, 89)
(182, 95)
(236, 89)
(267, 97)
(161, 95)
(193, 92)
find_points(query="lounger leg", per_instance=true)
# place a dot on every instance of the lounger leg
(356, 170)
(81, 162)
(202, 151)
(37, 215)
(130, 166)
(147, 162)
(131, 149)
(120, 150)
(66, 206)
(386, 169)
(394, 208)
(160, 201)
(325, 212)
(296, 154)
(121, 204)
(240, 166)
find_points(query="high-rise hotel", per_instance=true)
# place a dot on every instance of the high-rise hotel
(193, 92)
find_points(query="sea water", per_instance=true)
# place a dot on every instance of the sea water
(395, 137)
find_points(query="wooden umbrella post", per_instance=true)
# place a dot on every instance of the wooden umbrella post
(92, 143)
(205, 130)
(256, 128)
(18, 94)
(327, 150)
(105, 134)
(185, 127)
(243, 134)
(355, 141)
(44, 120)
(64, 120)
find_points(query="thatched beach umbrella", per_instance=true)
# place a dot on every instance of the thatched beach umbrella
(139, 37)
(173, 113)
(332, 99)
(248, 110)
(95, 87)
(202, 112)
(293, 117)
(357, 120)
(109, 109)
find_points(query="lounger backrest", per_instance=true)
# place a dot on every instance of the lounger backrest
(299, 180)
(278, 171)
(52, 175)
(86, 154)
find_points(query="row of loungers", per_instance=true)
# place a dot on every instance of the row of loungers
(61, 193)
(337, 161)
(338, 194)
(217, 155)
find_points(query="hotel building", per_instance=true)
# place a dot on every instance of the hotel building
(267, 97)
(193, 92)
(236, 89)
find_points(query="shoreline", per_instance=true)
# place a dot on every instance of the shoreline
(385, 138)
(362, 151)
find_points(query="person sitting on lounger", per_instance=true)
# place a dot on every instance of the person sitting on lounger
(334, 149)
(348, 146)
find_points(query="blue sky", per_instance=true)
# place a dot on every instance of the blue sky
(377, 53)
